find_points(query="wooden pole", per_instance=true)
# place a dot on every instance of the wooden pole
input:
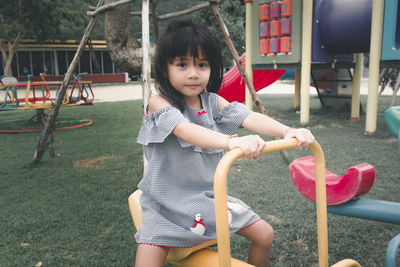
(43, 142)
(146, 64)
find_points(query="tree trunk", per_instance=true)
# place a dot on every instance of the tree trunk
(48, 130)
(123, 46)
(8, 56)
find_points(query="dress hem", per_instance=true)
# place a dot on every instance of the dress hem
(163, 246)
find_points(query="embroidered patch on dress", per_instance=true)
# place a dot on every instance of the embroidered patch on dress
(199, 227)
(201, 113)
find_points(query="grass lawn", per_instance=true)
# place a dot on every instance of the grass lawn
(73, 210)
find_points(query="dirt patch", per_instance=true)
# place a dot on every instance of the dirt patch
(95, 162)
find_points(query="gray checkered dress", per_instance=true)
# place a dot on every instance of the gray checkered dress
(178, 198)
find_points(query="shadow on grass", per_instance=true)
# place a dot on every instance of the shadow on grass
(73, 210)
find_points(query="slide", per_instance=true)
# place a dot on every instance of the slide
(233, 87)
(392, 117)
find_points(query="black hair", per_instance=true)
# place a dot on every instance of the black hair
(182, 38)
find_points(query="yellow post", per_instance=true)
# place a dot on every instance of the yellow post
(249, 69)
(296, 101)
(374, 61)
(306, 61)
(355, 99)
(221, 196)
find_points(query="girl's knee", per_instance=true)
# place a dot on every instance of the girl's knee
(150, 256)
(265, 236)
(261, 233)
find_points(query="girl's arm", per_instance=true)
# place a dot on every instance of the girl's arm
(265, 125)
(197, 135)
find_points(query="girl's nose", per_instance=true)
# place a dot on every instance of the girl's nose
(193, 72)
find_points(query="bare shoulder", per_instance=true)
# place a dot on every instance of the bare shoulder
(156, 103)
(222, 102)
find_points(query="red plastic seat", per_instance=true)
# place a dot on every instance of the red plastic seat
(357, 181)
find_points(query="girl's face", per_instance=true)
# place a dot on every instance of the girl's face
(189, 75)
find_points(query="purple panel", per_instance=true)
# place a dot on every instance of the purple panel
(274, 45)
(275, 10)
(345, 26)
(286, 26)
(264, 29)
(323, 51)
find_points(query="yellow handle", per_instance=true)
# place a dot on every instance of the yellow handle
(224, 253)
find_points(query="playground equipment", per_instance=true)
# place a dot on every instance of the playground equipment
(313, 34)
(201, 256)
(10, 87)
(84, 92)
(392, 117)
(233, 86)
(39, 95)
(357, 181)
(343, 193)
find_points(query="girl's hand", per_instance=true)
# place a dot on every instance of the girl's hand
(251, 145)
(303, 136)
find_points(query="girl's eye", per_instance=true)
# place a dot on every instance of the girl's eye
(203, 65)
(181, 64)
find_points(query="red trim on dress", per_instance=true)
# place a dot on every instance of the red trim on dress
(249, 225)
(155, 245)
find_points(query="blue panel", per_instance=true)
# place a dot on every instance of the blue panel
(391, 31)
(378, 210)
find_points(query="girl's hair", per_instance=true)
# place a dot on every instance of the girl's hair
(182, 38)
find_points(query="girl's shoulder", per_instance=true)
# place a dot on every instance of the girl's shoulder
(156, 103)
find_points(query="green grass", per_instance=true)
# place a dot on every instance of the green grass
(73, 211)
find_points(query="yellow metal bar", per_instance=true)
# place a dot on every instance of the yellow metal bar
(224, 254)
(306, 61)
(249, 52)
(355, 99)
(296, 101)
(28, 87)
(374, 61)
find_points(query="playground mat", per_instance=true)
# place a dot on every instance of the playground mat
(74, 211)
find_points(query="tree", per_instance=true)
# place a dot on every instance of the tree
(36, 19)
(233, 13)
(124, 48)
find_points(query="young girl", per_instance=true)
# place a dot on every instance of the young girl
(185, 133)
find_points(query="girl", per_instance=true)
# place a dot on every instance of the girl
(185, 133)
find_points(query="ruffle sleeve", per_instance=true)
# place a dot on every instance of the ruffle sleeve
(159, 125)
(231, 117)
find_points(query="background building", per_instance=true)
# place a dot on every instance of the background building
(54, 58)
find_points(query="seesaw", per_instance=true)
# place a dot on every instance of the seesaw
(357, 180)
(343, 193)
(201, 256)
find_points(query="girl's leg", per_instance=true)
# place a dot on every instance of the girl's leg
(150, 256)
(261, 235)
